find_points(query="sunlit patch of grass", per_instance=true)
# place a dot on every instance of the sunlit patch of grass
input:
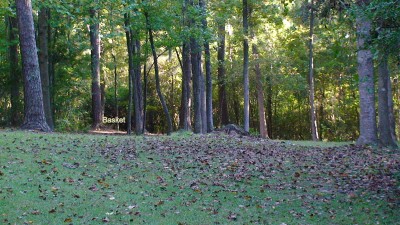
(177, 179)
(321, 144)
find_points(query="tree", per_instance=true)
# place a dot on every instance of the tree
(43, 33)
(95, 68)
(385, 132)
(207, 59)
(185, 119)
(34, 117)
(158, 87)
(130, 70)
(246, 82)
(15, 73)
(313, 116)
(259, 79)
(197, 79)
(368, 130)
(222, 100)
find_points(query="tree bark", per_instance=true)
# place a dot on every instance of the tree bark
(385, 134)
(162, 100)
(43, 31)
(34, 117)
(203, 105)
(196, 79)
(95, 67)
(368, 130)
(207, 60)
(185, 120)
(195, 58)
(130, 71)
(246, 67)
(15, 73)
(313, 116)
(184, 114)
(260, 94)
(137, 87)
(222, 100)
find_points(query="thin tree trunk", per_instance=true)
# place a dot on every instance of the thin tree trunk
(260, 94)
(321, 113)
(95, 66)
(15, 73)
(203, 106)
(246, 67)
(385, 134)
(52, 43)
(130, 71)
(222, 100)
(34, 117)
(207, 59)
(44, 63)
(391, 111)
(368, 130)
(115, 86)
(162, 100)
(145, 87)
(269, 104)
(313, 116)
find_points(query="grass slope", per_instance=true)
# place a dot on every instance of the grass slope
(192, 179)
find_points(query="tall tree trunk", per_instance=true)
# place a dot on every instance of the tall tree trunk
(53, 34)
(185, 120)
(15, 73)
(184, 115)
(137, 87)
(222, 101)
(207, 59)
(162, 100)
(313, 116)
(43, 31)
(130, 71)
(260, 94)
(246, 82)
(385, 134)
(195, 54)
(95, 67)
(34, 117)
(368, 130)
(196, 78)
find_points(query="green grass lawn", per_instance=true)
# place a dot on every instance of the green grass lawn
(193, 179)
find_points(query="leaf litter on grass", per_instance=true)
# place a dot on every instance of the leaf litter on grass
(198, 179)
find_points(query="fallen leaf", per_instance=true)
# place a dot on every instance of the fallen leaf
(35, 212)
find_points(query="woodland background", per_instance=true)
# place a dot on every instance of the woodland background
(278, 48)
